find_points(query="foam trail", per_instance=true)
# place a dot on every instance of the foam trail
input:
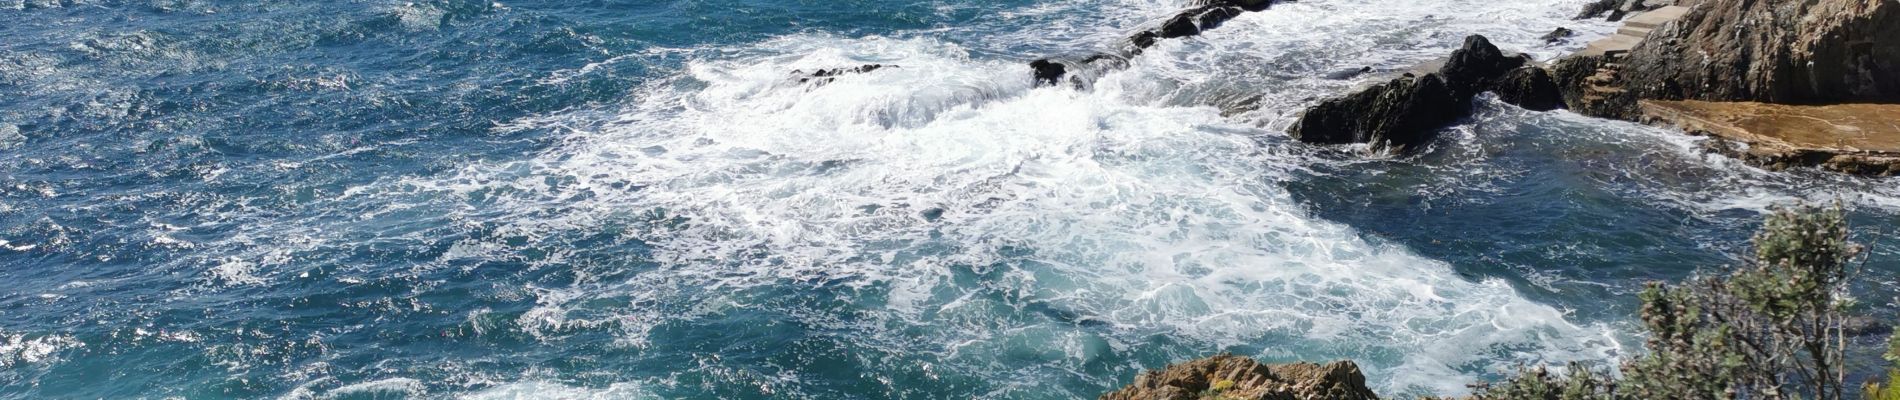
(1101, 216)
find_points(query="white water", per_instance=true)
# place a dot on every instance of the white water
(1138, 207)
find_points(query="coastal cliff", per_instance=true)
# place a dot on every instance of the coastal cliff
(1833, 57)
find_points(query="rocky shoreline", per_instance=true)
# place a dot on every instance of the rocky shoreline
(1234, 377)
(1730, 55)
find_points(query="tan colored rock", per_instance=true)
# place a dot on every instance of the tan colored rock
(1852, 138)
(1228, 377)
(1775, 51)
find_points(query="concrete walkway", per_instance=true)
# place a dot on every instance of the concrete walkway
(1634, 29)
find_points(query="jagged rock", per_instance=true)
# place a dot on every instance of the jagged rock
(1597, 8)
(824, 76)
(1233, 377)
(1558, 35)
(1048, 73)
(1396, 115)
(1182, 25)
(1206, 15)
(1472, 68)
(1402, 114)
(1531, 88)
(1775, 51)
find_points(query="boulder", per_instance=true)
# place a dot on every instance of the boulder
(1233, 377)
(1472, 68)
(1529, 87)
(1048, 72)
(1397, 116)
(1558, 35)
(1407, 112)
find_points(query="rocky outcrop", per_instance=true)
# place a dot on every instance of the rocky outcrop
(1203, 16)
(1851, 138)
(1775, 51)
(1407, 112)
(1396, 115)
(1530, 87)
(1772, 51)
(1233, 377)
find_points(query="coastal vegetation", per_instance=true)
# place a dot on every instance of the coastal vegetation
(1774, 327)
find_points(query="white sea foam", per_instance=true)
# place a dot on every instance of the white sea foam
(1124, 211)
(1136, 207)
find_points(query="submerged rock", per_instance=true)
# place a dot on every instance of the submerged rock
(1234, 377)
(824, 76)
(1348, 74)
(1558, 35)
(1204, 16)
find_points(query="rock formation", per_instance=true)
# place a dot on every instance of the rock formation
(1773, 51)
(1795, 52)
(1406, 112)
(827, 75)
(1233, 377)
(1204, 16)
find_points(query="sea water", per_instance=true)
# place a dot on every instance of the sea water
(638, 199)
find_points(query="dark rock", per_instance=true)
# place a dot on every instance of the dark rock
(1558, 35)
(1048, 73)
(1182, 25)
(1597, 8)
(1227, 376)
(828, 75)
(1397, 115)
(1144, 39)
(1248, 5)
(1531, 88)
(1402, 114)
(1472, 67)
(1348, 74)
(1214, 16)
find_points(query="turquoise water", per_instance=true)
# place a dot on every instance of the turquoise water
(635, 199)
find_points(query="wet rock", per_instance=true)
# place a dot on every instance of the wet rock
(1529, 87)
(1405, 113)
(1598, 8)
(1396, 116)
(1236, 377)
(1204, 16)
(1047, 72)
(1472, 68)
(824, 76)
(1348, 74)
(1558, 35)
(1182, 25)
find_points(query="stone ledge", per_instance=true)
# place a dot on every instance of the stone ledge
(1852, 138)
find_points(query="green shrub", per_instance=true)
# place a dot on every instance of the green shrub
(1890, 391)
(1771, 329)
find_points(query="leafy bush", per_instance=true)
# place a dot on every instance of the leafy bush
(1772, 329)
(1890, 391)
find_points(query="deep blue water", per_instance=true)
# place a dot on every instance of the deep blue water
(634, 199)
